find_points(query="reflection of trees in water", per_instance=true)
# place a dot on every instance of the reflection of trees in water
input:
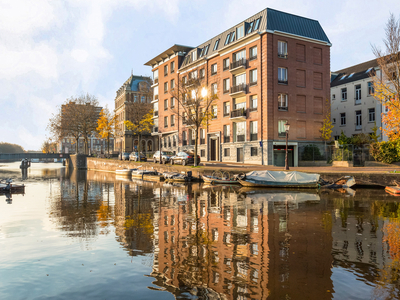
(78, 209)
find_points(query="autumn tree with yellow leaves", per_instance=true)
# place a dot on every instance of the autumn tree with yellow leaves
(140, 126)
(106, 126)
(387, 78)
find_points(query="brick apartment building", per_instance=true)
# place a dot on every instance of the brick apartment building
(271, 68)
(135, 93)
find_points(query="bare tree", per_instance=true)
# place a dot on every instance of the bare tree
(195, 103)
(387, 85)
(76, 118)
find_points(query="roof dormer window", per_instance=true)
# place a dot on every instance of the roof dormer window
(216, 45)
(257, 24)
(227, 39)
(343, 77)
(240, 32)
(351, 75)
(250, 27)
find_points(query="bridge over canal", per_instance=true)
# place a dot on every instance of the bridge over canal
(40, 156)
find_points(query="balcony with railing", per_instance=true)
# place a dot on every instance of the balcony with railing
(240, 138)
(227, 139)
(238, 90)
(238, 66)
(239, 114)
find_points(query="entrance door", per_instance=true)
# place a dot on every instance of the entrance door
(239, 154)
(213, 147)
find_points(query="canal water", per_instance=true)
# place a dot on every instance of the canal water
(92, 235)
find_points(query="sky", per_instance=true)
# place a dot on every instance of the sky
(53, 50)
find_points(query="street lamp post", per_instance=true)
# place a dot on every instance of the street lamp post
(287, 125)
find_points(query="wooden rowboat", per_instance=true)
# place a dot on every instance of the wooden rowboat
(218, 180)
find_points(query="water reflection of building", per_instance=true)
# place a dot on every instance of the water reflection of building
(237, 246)
(134, 216)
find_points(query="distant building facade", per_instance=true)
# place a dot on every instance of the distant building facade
(135, 93)
(270, 69)
(354, 109)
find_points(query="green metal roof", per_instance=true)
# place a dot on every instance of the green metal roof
(292, 24)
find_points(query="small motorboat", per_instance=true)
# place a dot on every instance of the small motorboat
(124, 172)
(9, 187)
(393, 190)
(140, 173)
(281, 179)
(219, 178)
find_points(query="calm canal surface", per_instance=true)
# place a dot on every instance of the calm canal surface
(92, 235)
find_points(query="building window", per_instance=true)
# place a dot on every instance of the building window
(227, 133)
(135, 98)
(184, 79)
(226, 64)
(216, 45)
(358, 93)
(358, 120)
(253, 77)
(155, 76)
(172, 120)
(227, 39)
(143, 99)
(283, 102)
(227, 152)
(239, 80)
(333, 96)
(213, 69)
(343, 119)
(214, 89)
(165, 87)
(253, 102)
(226, 84)
(282, 49)
(214, 111)
(334, 121)
(253, 130)
(239, 131)
(253, 53)
(202, 136)
(194, 55)
(166, 104)
(172, 84)
(257, 24)
(165, 70)
(227, 108)
(172, 102)
(165, 121)
(202, 73)
(240, 55)
(253, 151)
(371, 114)
(371, 89)
(281, 128)
(282, 75)
(240, 32)
(344, 94)
(202, 153)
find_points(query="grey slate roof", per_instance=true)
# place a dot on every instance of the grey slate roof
(358, 70)
(270, 20)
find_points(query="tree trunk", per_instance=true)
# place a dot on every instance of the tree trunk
(108, 144)
(76, 145)
(195, 146)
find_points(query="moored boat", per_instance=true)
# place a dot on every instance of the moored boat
(124, 172)
(279, 179)
(218, 180)
(394, 190)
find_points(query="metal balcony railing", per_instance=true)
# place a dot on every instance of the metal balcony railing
(253, 136)
(240, 138)
(238, 88)
(227, 139)
(241, 112)
(202, 141)
(239, 63)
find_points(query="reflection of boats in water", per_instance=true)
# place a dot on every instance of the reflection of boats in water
(281, 179)
(269, 195)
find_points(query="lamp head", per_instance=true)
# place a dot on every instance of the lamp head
(287, 126)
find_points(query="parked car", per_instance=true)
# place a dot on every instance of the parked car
(135, 156)
(165, 156)
(184, 158)
(123, 156)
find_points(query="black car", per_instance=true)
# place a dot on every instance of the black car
(184, 158)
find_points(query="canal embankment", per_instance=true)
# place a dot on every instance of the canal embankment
(381, 175)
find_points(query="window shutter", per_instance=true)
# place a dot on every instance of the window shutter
(301, 103)
(317, 80)
(300, 52)
(318, 105)
(317, 56)
(301, 129)
(301, 78)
